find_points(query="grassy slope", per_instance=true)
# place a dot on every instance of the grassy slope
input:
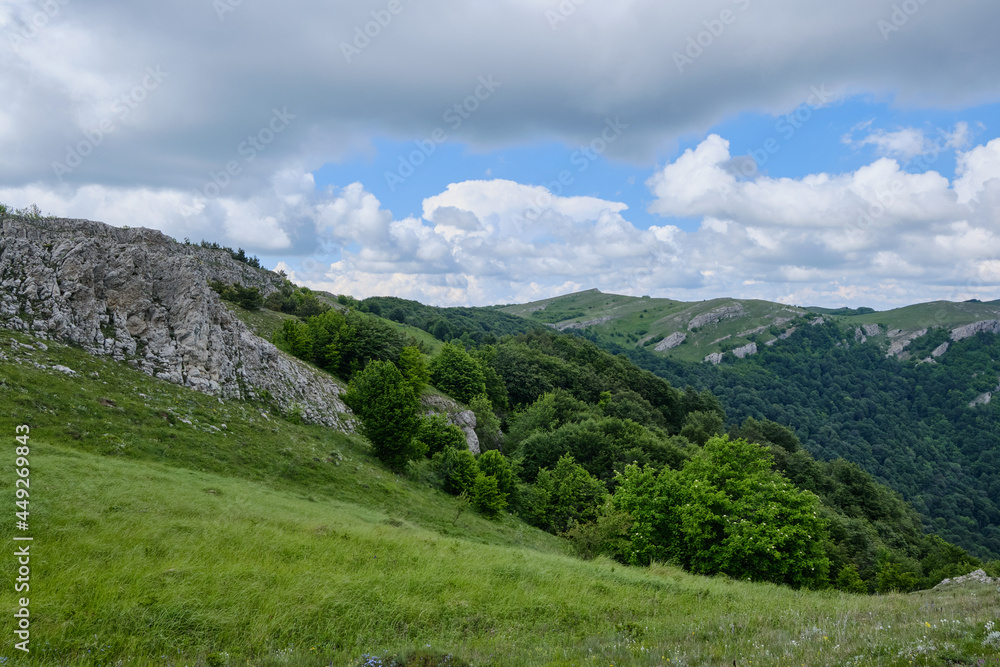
(640, 319)
(156, 538)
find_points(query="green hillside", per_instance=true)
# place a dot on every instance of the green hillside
(174, 529)
(721, 325)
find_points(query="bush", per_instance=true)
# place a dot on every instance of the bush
(387, 408)
(457, 470)
(849, 580)
(438, 434)
(486, 496)
(411, 363)
(457, 374)
(487, 424)
(574, 495)
(496, 465)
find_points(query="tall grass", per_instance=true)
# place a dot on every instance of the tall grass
(200, 550)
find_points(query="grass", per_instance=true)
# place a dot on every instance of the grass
(168, 543)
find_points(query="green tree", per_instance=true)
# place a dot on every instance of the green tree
(486, 496)
(296, 338)
(414, 369)
(438, 434)
(457, 374)
(387, 409)
(496, 465)
(574, 494)
(726, 511)
(700, 426)
(457, 470)
(487, 424)
(849, 580)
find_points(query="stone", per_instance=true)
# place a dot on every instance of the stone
(745, 351)
(716, 315)
(670, 342)
(138, 296)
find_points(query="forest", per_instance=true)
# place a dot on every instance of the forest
(715, 477)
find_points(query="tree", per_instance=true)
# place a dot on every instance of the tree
(496, 465)
(486, 496)
(849, 580)
(387, 408)
(574, 494)
(457, 470)
(726, 511)
(457, 374)
(438, 434)
(411, 363)
(487, 424)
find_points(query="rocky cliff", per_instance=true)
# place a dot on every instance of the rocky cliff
(141, 297)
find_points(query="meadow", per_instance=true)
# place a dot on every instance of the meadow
(173, 529)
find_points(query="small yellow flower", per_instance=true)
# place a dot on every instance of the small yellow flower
(927, 624)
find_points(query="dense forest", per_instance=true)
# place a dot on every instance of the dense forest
(584, 443)
(908, 423)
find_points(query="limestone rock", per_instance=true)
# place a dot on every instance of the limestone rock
(978, 576)
(715, 358)
(902, 339)
(716, 315)
(671, 341)
(970, 330)
(940, 350)
(746, 350)
(138, 296)
(872, 329)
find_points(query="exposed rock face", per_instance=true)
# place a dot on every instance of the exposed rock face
(139, 296)
(715, 358)
(746, 350)
(859, 336)
(970, 330)
(751, 332)
(902, 340)
(464, 419)
(978, 576)
(940, 350)
(716, 315)
(671, 341)
(872, 329)
(583, 325)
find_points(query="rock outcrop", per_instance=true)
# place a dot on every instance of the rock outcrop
(978, 576)
(746, 350)
(901, 340)
(970, 330)
(141, 297)
(715, 358)
(464, 419)
(670, 342)
(716, 315)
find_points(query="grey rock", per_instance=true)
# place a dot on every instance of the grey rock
(978, 576)
(902, 340)
(463, 419)
(138, 296)
(940, 350)
(746, 350)
(970, 330)
(670, 342)
(716, 315)
(64, 369)
(715, 358)
(872, 329)
(859, 336)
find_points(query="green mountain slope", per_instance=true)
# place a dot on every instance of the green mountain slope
(721, 325)
(171, 528)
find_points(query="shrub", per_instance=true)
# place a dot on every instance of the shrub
(457, 470)
(387, 408)
(438, 434)
(457, 374)
(486, 496)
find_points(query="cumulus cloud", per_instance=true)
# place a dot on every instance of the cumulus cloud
(909, 142)
(84, 66)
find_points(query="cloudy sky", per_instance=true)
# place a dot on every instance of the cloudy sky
(498, 151)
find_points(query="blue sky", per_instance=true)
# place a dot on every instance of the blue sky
(827, 154)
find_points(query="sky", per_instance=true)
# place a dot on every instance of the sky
(502, 151)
